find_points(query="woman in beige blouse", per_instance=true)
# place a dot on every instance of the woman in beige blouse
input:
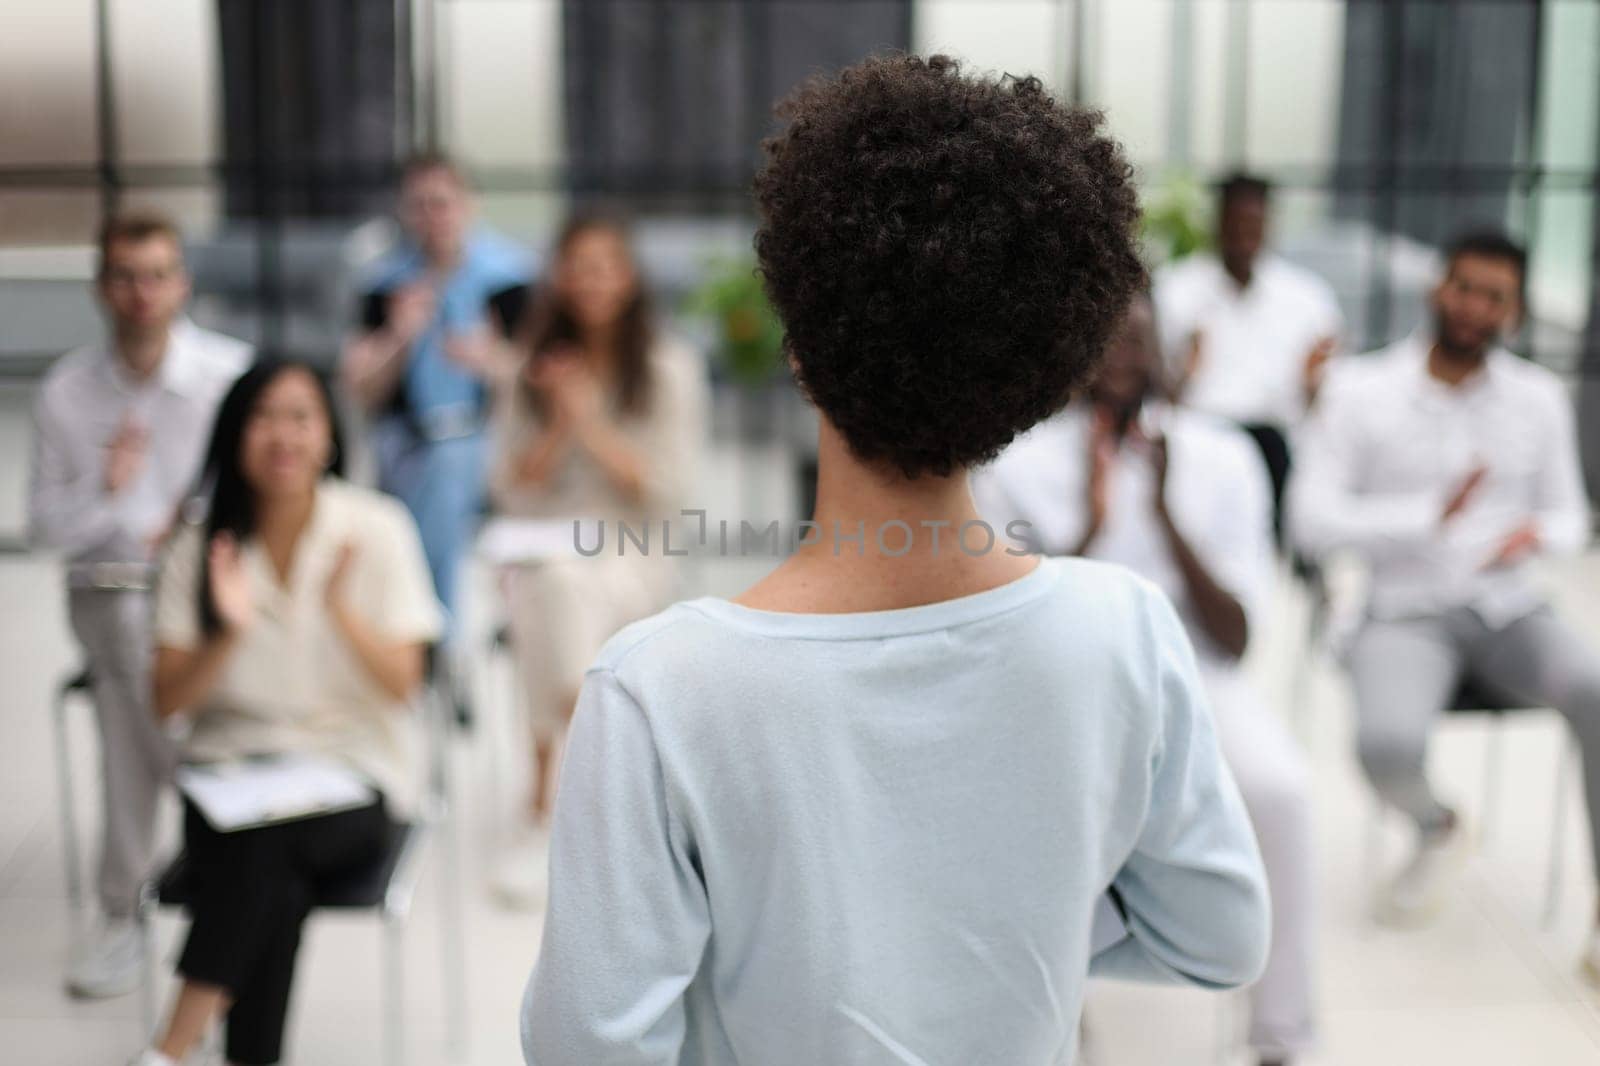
(600, 418)
(293, 622)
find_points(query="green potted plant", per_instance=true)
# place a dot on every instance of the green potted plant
(747, 350)
(1177, 217)
(748, 336)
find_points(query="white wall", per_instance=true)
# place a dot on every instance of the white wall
(1015, 37)
(1295, 61)
(501, 91)
(164, 72)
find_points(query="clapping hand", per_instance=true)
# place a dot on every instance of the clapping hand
(473, 350)
(1464, 493)
(1518, 545)
(1194, 358)
(567, 383)
(1102, 456)
(1315, 370)
(231, 594)
(411, 308)
(333, 593)
(125, 455)
(1159, 456)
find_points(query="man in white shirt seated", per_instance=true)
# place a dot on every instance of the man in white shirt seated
(1182, 499)
(1449, 464)
(119, 431)
(1245, 333)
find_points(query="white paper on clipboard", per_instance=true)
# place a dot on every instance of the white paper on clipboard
(247, 793)
(511, 541)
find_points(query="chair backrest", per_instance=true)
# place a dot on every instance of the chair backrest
(436, 709)
(1474, 696)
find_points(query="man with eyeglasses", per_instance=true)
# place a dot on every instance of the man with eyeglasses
(120, 428)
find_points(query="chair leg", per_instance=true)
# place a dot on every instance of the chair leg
(452, 970)
(69, 820)
(1493, 758)
(452, 942)
(1300, 684)
(394, 985)
(145, 914)
(1558, 828)
(1372, 849)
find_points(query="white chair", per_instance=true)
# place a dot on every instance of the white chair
(386, 888)
(1471, 698)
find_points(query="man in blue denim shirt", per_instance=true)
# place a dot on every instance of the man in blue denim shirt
(428, 322)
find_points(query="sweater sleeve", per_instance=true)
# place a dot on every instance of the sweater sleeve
(1193, 892)
(628, 918)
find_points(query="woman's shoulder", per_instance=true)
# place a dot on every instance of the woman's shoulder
(673, 354)
(1102, 585)
(183, 549)
(1107, 606)
(359, 510)
(660, 636)
(680, 374)
(1082, 600)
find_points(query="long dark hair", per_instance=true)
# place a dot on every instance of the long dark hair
(231, 507)
(553, 324)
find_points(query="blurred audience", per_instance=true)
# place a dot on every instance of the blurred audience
(1246, 334)
(119, 430)
(1449, 465)
(430, 322)
(1182, 499)
(296, 614)
(295, 619)
(601, 419)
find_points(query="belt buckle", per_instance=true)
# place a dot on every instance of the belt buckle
(119, 577)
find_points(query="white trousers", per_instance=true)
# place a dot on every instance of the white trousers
(1275, 783)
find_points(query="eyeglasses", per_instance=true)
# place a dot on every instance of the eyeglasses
(128, 279)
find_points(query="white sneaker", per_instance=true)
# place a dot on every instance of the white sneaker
(152, 1057)
(108, 965)
(522, 875)
(1418, 891)
(1591, 960)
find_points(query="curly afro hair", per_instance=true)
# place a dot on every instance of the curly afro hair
(949, 255)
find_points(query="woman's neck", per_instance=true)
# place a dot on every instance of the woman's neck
(600, 343)
(601, 352)
(884, 541)
(279, 524)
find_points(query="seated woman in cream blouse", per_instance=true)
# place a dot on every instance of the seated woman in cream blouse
(600, 419)
(295, 621)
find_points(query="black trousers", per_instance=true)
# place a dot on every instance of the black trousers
(252, 890)
(1274, 448)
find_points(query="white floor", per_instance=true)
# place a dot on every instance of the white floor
(1485, 985)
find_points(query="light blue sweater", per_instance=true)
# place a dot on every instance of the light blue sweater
(821, 840)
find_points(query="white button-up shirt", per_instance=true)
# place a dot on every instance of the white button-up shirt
(85, 398)
(1389, 445)
(1217, 493)
(1253, 340)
